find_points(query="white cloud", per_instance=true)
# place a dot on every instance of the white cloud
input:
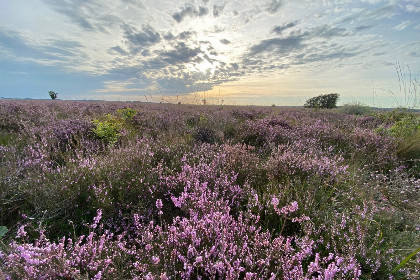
(412, 9)
(119, 86)
(403, 25)
(372, 1)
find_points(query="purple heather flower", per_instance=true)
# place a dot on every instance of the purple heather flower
(155, 260)
(159, 204)
(21, 233)
(275, 202)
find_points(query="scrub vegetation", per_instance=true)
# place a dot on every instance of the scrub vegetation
(107, 190)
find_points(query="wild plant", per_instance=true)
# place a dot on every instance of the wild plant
(107, 130)
(355, 108)
(324, 101)
(279, 193)
(127, 113)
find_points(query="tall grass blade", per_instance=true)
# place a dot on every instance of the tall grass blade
(404, 261)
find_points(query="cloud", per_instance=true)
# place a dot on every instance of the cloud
(180, 54)
(73, 10)
(372, 1)
(121, 86)
(322, 54)
(217, 29)
(139, 41)
(191, 11)
(177, 58)
(217, 9)
(362, 28)
(412, 9)
(278, 29)
(403, 25)
(63, 49)
(278, 45)
(415, 53)
(157, 51)
(117, 50)
(183, 36)
(368, 15)
(225, 41)
(295, 40)
(137, 3)
(80, 12)
(13, 42)
(49, 51)
(273, 6)
(326, 31)
(412, 49)
(318, 44)
(381, 13)
(171, 85)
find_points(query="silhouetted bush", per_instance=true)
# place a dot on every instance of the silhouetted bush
(325, 101)
(53, 94)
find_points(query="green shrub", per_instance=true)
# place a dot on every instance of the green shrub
(407, 131)
(325, 101)
(107, 130)
(394, 115)
(406, 126)
(127, 113)
(409, 147)
(355, 109)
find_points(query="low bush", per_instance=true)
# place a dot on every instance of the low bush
(325, 101)
(356, 108)
(107, 131)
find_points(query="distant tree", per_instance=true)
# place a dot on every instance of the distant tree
(53, 95)
(324, 101)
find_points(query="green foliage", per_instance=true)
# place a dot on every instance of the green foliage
(406, 129)
(107, 130)
(404, 261)
(3, 231)
(394, 115)
(324, 101)
(53, 94)
(406, 126)
(355, 109)
(203, 120)
(127, 113)
(6, 139)
(409, 147)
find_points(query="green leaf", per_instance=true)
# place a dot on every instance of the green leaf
(404, 261)
(3, 231)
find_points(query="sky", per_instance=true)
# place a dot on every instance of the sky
(259, 52)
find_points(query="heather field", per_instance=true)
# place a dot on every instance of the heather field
(108, 190)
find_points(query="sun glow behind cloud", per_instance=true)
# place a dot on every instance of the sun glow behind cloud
(259, 52)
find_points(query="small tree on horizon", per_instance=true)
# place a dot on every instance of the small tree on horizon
(53, 95)
(324, 101)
